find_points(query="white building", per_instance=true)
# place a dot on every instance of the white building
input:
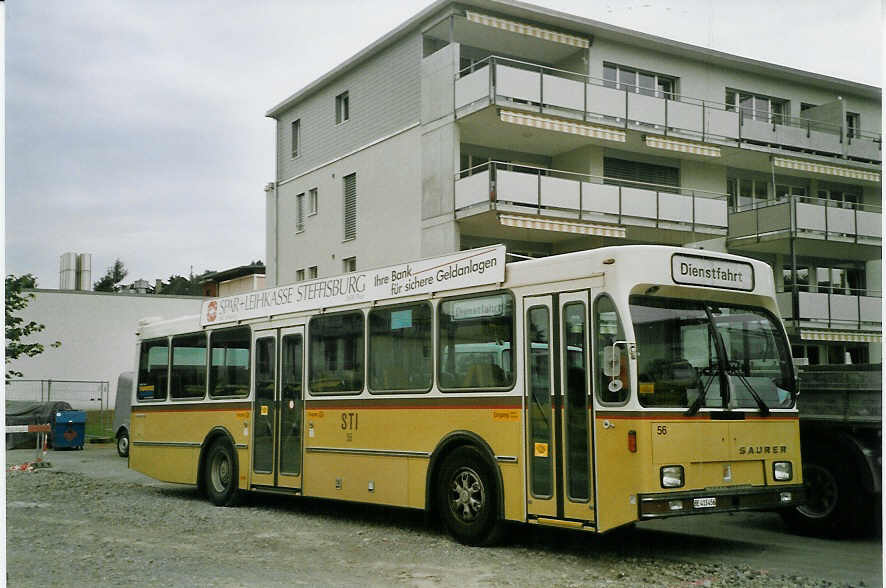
(500, 122)
(97, 335)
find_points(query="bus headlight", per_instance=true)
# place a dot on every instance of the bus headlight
(672, 476)
(782, 471)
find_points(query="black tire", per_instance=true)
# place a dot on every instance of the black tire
(835, 503)
(220, 474)
(467, 498)
(123, 444)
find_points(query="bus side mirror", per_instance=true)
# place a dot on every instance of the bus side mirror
(611, 362)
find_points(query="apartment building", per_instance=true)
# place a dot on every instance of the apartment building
(500, 122)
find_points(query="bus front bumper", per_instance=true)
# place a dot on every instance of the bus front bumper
(671, 504)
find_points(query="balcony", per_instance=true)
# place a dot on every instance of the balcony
(851, 310)
(525, 190)
(808, 218)
(527, 86)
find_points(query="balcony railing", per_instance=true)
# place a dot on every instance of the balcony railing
(814, 218)
(533, 190)
(504, 82)
(855, 310)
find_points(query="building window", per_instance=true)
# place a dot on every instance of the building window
(784, 191)
(852, 124)
(350, 208)
(663, 178)
(840, 280)
(300, 275)
(842, 196)
(300, 213)
(745, 193)
(349, 264)
(296, 136)
(802, 284)
(762, 108)
(312, 272)
(342, 108)
(638, 81)
(312, 201)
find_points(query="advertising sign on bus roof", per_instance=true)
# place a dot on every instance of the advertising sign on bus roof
(464, 269)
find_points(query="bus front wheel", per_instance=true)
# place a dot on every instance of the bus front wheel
(123, 444)
(467, 498)
(220, 474)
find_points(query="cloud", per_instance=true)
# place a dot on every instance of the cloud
(136, 129)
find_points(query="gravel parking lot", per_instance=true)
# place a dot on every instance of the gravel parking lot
(88, 520)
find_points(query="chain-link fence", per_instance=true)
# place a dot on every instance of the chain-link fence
(90, 396)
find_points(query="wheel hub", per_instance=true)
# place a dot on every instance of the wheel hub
(467, 495)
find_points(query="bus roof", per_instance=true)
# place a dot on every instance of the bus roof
(625, 267)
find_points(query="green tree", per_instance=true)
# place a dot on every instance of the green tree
(181, 285)
(16, 327)
(110, 282)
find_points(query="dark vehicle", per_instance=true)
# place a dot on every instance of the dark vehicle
(121, 413)
(25, 412)
(840, 432)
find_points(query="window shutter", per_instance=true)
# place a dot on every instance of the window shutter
(300, 213)
(350, 206)
(636, 171)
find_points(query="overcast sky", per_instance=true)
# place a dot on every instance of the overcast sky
(136, 129)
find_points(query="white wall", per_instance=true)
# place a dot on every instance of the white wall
(389, 196)
(97, 332)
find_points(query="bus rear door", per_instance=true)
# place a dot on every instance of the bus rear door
(278, 407)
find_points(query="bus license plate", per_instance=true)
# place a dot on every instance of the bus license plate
(710, 502)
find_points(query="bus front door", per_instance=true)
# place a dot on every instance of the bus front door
(560, 473)
(278, 407)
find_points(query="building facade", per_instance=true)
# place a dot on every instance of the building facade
(497, 122)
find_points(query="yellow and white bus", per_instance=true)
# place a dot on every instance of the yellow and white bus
(587, 390)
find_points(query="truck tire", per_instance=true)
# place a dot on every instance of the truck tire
(836, 505)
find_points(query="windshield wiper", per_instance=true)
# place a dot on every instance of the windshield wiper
(764, 408)
(700, 400)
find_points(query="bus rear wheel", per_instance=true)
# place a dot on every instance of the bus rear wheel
(466, 498)
(220, 474)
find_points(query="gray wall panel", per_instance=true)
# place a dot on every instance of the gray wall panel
(385, 97)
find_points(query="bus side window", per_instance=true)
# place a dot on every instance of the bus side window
(609, 330)
(475, 338)
(400, 348)
(336, 353)
(188, 366)
(229, 373)
(153, 368)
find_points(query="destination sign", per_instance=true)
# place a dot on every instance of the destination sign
(696, 270)
(475, 267)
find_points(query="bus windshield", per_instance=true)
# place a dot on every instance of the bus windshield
(729, 356)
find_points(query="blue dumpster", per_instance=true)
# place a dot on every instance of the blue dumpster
(69, 430)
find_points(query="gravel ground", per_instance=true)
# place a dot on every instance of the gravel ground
(67, 528)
